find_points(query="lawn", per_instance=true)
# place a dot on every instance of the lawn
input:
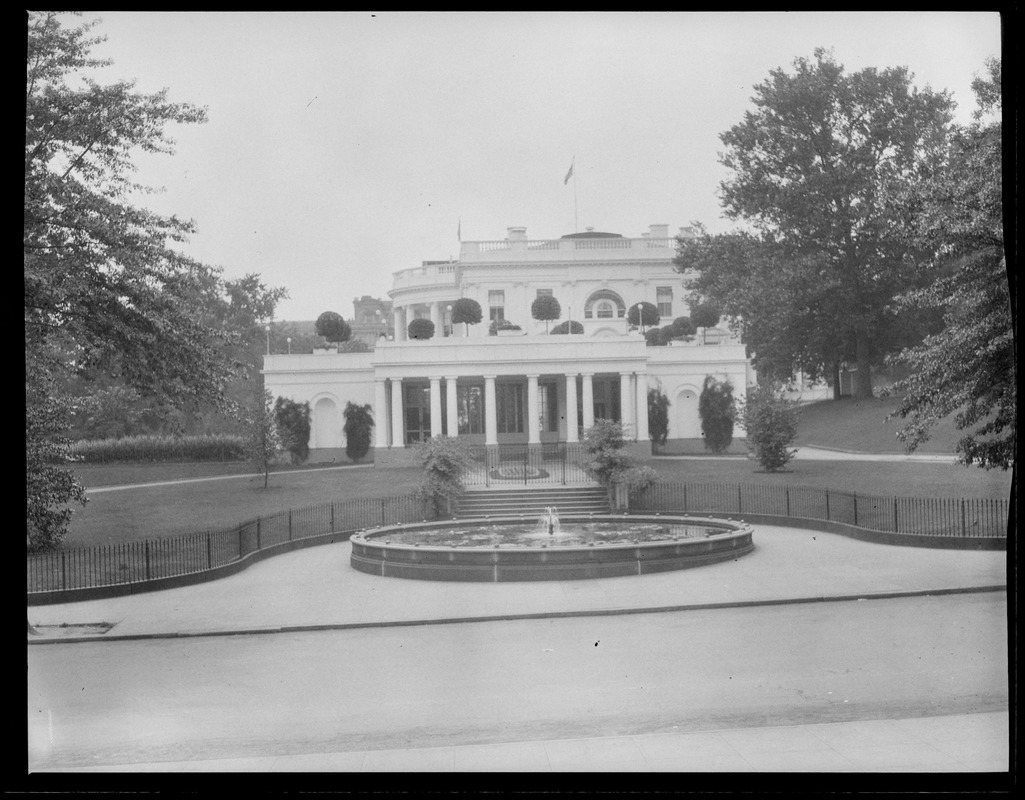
(861, 425)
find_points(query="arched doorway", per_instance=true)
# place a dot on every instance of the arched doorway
(686, 418)
(326, 428)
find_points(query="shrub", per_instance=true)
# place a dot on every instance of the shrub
(443, 460)
(420, 329)
(353, 346)
(358, 422)
(545, 307)
(569, 326)
(771, 424)
(333, 327)
(466, 311)
(658, 337)
(293, 421)
(683, 328)
(647, 314)
(705, 315)
(210, 447)
(608, 461)
(658, 417)
(503, 325)
(718, 412)
(262, 443)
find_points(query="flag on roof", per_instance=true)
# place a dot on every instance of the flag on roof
(568, 174)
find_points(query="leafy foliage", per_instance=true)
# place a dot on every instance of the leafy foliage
(136, 449)
(817, 168)
(443, 460)
(263, 443)
(658, 337)
(683, 328)
(968, 367)
(420, 329)
(565, 327)
(718, 412)
(467, 311)
(704, 315)
(503, 325)
(105, 290)
(643, 313)
(293, 424)
(333, 327)
(771, 424)
(608, 460)
(545, 307)
(358, 423)
(658, 417)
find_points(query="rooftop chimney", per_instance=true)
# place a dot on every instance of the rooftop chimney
(659, 231)
(517, 233)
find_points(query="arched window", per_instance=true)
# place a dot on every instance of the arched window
(604, 304)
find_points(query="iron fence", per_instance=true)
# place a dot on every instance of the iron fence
(152, 559)
(528, 464)
(934, 516)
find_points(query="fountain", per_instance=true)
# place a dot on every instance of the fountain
(549, 521)
(573, 547)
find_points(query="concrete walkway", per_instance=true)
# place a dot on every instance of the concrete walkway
(317, 589)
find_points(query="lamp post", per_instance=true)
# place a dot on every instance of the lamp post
(640, 316)
(267, 330)
(289, 340)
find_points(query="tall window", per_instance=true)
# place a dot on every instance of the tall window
(418, 412)
(664, 300)
(509, 407)
(604, 309)
(496, 302)
(470, 408)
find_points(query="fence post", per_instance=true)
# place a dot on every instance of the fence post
(827, 505)
(209, 552)
(258, 545)
(963, 530)
(147, 559)
(332, 517)
(684, 497)
(855, 509)
(289, 524)
(382, 511)
(895, 515)
(240, 541)
(526, 463)
(64, 570)
(740, 503)
(787, 488)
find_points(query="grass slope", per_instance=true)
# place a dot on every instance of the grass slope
(861, 426)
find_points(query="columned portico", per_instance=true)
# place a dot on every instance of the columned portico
(451, 407)
(380, 413)
(397, 435)
(533, 420)
(642, 406)
(572, 419)
(587, 391)
(435, 407)
(625, 394)
(490, 411)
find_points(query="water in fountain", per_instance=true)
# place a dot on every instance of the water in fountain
(549, 521)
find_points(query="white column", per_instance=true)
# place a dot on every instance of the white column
(490, 411)
(380, 413)
(587, 389)
(400, 323)
(572, 420)
(435, 407)
(436, 319)
(451, 407)
(533, 423)
(397, 437)
(642, 407)
(626, 418)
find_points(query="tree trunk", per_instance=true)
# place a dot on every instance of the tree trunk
(863, 377)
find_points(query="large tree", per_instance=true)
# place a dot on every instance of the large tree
(817, 167)
(104, 287)
(967, 369)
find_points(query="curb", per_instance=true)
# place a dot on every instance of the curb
(341, 626)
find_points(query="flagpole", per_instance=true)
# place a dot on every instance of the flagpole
(576, 224)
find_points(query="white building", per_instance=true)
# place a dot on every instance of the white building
(521, 386)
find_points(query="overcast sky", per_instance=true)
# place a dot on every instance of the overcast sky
(343, 146)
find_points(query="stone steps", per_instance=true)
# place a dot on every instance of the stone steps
(531, 502)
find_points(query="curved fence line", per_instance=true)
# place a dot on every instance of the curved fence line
(155, 559)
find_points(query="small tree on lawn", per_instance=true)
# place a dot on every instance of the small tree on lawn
(658, 418)
(358, 422)
(546, 308)
(611, 464)
(643, 313)
(567, 327)
(443, 460)
(333, 327)
(466, 311)
(771, 424)
(293, 422)
(263, 445)
(718, 412)
(420, 329)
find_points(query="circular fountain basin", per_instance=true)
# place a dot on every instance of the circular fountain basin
(512, 549)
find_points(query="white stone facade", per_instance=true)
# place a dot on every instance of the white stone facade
(521, 387)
